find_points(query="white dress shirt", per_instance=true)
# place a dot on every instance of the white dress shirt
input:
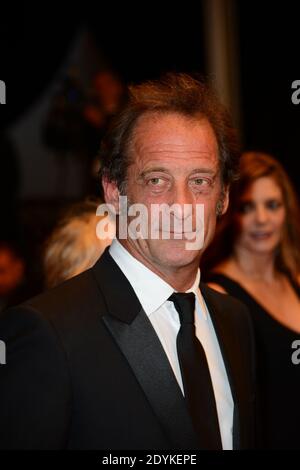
(153, 293)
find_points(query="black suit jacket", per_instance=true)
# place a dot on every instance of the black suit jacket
(86, 370)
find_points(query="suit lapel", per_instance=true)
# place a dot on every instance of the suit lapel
(231, 356)
(133, 332)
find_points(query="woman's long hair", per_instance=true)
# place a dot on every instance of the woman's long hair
(255, 165)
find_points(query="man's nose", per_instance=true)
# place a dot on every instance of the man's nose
(183, 199)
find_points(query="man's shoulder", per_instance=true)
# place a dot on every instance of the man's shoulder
(228, 306)
(71, 295)
(69, 304)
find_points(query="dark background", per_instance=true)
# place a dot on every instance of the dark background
(141, 41)
(269, 61)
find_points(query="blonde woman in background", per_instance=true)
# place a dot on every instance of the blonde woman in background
(74, 245)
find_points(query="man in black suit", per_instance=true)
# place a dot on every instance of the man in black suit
(108, 360)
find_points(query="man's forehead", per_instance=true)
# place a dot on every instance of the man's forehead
(203, 163)
(173, 136)
(149, 121)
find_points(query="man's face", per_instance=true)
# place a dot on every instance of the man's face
(175, 161)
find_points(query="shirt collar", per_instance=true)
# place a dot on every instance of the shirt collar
(200, 304)
(151, 290)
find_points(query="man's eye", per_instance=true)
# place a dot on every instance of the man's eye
(155, 181)
(200, 182)
(158, 182)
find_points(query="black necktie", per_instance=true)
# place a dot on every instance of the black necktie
(198, 389)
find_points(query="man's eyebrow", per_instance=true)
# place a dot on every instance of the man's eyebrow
(166, 170)
(210, 171)
(156, 168)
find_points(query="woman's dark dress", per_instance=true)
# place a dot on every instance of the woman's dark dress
(278, 376)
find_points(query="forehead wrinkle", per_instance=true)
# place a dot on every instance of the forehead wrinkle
(176, 141)
(172, 154)
(151, 148)
(168, 163)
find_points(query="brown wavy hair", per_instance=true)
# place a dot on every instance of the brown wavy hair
(173, 93)
(255, 165)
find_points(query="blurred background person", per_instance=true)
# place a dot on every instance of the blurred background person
(9, 186)
(104, 98)
(76, 121)
(255, 257)
(64, 130)
(74, 244)
(12, 275)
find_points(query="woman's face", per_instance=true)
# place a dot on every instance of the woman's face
(261, 216)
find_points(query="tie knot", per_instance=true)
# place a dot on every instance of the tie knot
(185, 305)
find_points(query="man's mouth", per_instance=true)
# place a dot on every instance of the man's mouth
(179, 234)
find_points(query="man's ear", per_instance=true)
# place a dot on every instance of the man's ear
(225, 200)
(111, 193)
(222, 204)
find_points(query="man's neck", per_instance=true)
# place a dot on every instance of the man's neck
(180, 278)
